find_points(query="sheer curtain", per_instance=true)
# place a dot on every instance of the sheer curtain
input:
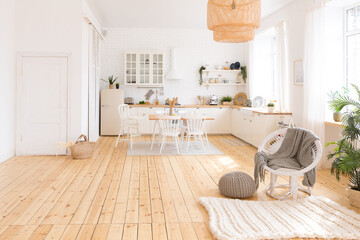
(269, 66)
(282, 66)
(315, 70)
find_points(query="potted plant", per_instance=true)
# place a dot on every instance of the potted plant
(111, 80)
(117, 85)
(243, 72)
(270, 107)
(337, 115)
(226, 100)
(202, 68)
(347, 154)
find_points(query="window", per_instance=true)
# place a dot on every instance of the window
(264, 59)
(352, 45)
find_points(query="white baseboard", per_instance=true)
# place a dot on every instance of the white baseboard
(6, 155)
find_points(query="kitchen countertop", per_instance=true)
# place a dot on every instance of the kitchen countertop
(254, 110)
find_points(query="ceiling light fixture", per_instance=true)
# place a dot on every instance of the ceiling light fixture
(233, 21)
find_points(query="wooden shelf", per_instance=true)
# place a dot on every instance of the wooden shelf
(234, 71)
(224, 84)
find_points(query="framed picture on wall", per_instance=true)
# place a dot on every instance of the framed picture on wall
(299, 72)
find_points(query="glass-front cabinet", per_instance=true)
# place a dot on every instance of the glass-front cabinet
(144, 68)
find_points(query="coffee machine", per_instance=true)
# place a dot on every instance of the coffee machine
(214, 100)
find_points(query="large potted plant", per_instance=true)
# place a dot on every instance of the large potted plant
(347, 154)
(337, 116)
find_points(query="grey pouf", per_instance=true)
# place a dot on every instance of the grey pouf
(237, 185)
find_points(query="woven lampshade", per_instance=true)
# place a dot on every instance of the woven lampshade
(233, 15)
(234, 37)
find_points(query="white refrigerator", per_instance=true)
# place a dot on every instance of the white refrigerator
(110, 120)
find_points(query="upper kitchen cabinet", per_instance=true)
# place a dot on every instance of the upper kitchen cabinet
(144, 68)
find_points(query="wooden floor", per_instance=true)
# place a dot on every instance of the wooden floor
(114, 196)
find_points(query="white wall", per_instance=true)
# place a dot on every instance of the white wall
(7, 80)
(56, 26)
(294, 14)
(196, 48)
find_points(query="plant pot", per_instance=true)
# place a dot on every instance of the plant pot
(227, 103)
(271, 109)
(111, 86)
(117, 86)
(354, 197)
(337, 117)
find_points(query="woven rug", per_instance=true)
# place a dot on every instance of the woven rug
(312, 217)
(143, 148)
(234, 142)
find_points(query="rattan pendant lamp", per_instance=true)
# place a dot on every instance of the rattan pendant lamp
(233, 20)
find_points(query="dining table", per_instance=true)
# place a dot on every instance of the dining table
(157, 117)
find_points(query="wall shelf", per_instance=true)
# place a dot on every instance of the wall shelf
(221, 71)
(223, 84)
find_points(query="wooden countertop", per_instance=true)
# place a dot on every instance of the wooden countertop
(181, 106)
(259, 111)
(158, 117)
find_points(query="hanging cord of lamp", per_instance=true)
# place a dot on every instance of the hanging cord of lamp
(233, 21)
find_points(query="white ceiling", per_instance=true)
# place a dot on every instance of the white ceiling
(162, 13)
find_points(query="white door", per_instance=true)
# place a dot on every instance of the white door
(42, 105)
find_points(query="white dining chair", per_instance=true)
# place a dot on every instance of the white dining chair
(129, 125)
(271, 145)
(169, 127)
(195, 129)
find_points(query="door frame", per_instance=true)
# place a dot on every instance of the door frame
(20, 56)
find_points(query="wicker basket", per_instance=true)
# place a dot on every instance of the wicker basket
(82, 148)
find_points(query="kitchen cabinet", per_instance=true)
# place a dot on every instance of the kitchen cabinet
(222, 121)
(242, 123)
(144, 68)
(253, 127)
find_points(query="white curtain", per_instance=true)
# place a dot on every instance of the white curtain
(282, 66)
(315, 71)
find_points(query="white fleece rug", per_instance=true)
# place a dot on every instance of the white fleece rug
(312, 217)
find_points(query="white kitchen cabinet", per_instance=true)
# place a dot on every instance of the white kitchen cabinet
(144, 68)
(236, 122)
(253, 127)
(221, 124)
(146, 125)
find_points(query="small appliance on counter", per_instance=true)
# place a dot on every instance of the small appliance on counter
(214, 100)
(129, 101)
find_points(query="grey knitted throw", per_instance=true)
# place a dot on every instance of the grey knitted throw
(294, 153)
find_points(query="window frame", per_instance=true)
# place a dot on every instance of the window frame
(346, 35)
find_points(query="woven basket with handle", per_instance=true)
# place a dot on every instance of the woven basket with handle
(82, 148)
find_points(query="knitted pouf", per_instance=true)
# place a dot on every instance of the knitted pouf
(237, 185)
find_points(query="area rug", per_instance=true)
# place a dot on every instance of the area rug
(234, 142)
(312, 217)
(143, 148)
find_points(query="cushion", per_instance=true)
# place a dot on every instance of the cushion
(237, 185)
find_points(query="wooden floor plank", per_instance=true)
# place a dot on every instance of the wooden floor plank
(115, 231)
(115, 196)
(130, 232)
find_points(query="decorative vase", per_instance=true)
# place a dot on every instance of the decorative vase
(337, 117)
(271, 109)
(354, 197)
(111, 86)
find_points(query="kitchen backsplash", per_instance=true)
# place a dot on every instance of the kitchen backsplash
(195, 48)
